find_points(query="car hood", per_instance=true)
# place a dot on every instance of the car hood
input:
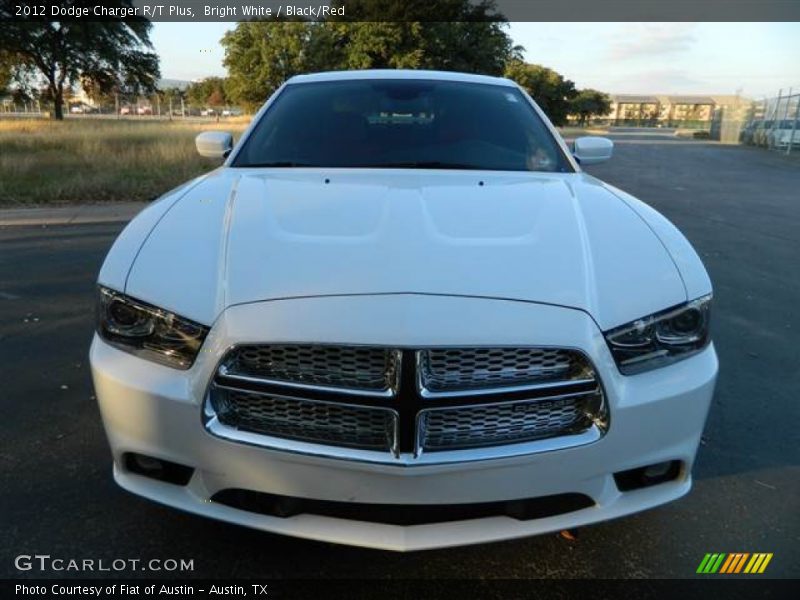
(243, 235)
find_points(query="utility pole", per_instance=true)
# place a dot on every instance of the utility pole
(788, 99)
(794, 126)
(779, 124)
(770, 137)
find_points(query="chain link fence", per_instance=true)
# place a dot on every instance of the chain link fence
(775, 123)
(157, 106)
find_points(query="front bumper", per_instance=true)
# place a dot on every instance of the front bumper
(157, 411)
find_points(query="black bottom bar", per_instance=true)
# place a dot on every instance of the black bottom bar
(401, 514)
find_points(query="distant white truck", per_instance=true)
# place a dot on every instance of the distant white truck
(785, 134)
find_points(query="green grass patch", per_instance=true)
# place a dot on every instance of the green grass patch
(98, 160)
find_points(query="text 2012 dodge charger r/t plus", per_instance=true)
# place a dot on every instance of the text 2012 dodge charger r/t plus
(401, 316)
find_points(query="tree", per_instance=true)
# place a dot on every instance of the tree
(109, 53)
(7, 62)
(472, 47)
(551, 91)
(207, 92)
(261, 55)
(453, 35)
(216, 100)
(589, 103)
(449, 35)
(16, 78)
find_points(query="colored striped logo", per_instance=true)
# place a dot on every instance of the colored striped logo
(735, 562)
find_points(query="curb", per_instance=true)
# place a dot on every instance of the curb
(118, 212)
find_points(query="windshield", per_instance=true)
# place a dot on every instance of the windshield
(394, 123)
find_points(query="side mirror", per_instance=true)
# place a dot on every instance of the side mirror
(592, 150)
(214, 144)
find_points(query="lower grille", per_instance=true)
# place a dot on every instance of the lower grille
(401, 514)
(503, 423)
(311, 421)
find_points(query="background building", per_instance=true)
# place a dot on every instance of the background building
(662, 111)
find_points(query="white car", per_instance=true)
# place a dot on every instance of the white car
(401, 316)
(785, 134)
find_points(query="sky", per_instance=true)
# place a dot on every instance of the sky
(754, 59)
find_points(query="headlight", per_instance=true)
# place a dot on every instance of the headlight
(662, 338)
(147, 331)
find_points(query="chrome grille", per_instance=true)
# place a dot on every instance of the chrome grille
(460, 369)
(312, 421)
(405, 405)
(502, 423)
(353, 367)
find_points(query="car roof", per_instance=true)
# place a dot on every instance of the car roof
(399, 74)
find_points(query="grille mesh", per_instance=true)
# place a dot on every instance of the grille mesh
(459, 369)
(311, 421)
(354, 367)
(506, 423)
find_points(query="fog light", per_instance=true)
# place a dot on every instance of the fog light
(147, 464)
(156, 468)
(656, 471)
(648, 475)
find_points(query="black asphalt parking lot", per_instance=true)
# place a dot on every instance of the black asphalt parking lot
(739, 206)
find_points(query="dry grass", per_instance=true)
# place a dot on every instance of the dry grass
(96, 160)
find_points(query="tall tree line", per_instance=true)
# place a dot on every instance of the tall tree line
(116, 57)
(261, 55)
(105, 56)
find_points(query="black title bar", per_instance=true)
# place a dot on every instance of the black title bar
(407, 10)
(388, 589)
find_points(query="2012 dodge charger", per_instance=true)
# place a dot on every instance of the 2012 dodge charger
(401, 316)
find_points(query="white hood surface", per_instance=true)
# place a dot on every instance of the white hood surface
(249, 235)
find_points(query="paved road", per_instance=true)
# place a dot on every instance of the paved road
(739, 206)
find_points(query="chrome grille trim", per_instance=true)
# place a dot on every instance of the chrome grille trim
(313, 421)
(225, 373)
(356, 370)
(552, 385)
(450, 372)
